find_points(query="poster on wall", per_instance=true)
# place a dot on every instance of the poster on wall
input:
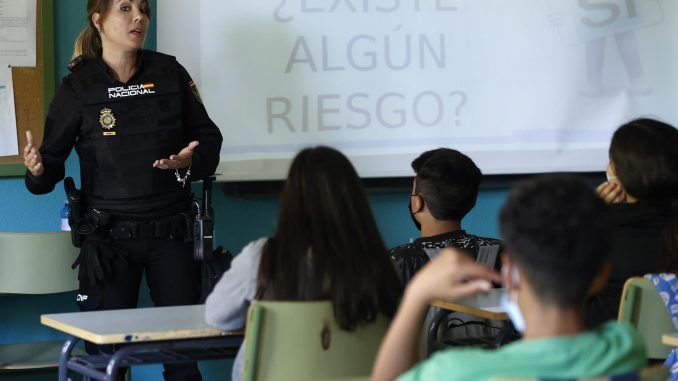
(9, 144)
(18, 32)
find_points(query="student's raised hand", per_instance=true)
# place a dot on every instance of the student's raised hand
(179, 161)
(451, 275)
(32, 157)
(611, 192)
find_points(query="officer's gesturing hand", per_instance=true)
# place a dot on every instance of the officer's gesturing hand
(182, 160)
(32, 157)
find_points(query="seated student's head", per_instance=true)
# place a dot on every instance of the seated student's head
(644, 165)
(644, 161)
(327, 245)
(445, 187)
(556, 243)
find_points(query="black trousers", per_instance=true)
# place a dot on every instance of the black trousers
(172, 275)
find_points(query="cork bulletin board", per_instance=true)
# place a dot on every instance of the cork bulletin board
(33, 89)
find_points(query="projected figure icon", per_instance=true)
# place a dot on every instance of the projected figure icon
(592, 23)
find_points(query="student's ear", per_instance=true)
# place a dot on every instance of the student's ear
(600, 279)
(417, 204)
(611, 173)
(509, 273)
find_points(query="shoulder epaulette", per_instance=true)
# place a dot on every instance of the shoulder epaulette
(75, 63)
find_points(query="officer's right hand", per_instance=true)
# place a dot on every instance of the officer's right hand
(179, 161)
(32, 157)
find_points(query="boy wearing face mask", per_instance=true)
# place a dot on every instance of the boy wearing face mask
(444, 190)
(555, 256)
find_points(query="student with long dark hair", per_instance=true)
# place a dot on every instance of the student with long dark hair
(326, 247)
(642, 191)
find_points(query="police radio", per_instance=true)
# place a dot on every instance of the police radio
(203, 227)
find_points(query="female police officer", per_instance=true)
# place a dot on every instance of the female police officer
(142, 134)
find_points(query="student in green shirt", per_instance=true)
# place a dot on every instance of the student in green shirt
(555, 257)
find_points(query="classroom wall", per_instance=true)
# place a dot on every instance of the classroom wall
(238, 219)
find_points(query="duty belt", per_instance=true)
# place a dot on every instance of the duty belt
(173, 227)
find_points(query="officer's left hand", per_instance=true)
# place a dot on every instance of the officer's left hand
(179, 161)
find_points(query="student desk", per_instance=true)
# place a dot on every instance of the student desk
(485, 306)
(156, 335)
(670, 339)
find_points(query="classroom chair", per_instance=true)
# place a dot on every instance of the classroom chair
(35, 263)
(651, 373)
(642, 307)
(301, 341)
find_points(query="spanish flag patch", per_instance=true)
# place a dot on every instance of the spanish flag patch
(194, 87)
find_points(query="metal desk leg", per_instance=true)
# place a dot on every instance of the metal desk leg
(433, 328)
(114, 363)
(66, 351)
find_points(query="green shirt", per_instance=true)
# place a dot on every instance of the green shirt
(614, 348)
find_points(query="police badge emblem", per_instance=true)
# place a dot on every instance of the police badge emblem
(107, 121)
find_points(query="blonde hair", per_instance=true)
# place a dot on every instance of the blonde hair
(88, 43)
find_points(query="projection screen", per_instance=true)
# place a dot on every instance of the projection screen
(521, 86)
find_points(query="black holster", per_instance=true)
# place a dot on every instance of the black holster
(75, 211)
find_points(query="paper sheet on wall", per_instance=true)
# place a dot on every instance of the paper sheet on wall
(17, 32)
(9, 144)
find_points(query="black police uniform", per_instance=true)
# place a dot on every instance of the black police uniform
(118, 131)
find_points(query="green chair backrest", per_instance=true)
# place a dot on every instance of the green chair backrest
(37, 263)
(301, 341)
(642, 306)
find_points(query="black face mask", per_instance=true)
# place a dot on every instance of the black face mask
(414, 220)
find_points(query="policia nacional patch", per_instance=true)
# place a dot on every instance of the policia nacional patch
(194, 87)
(107, 121)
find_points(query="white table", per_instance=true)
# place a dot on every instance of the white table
(486, 306)
(146, 336)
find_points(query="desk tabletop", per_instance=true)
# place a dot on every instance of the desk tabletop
(670, 339)
(486, 306)
(134, 325)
